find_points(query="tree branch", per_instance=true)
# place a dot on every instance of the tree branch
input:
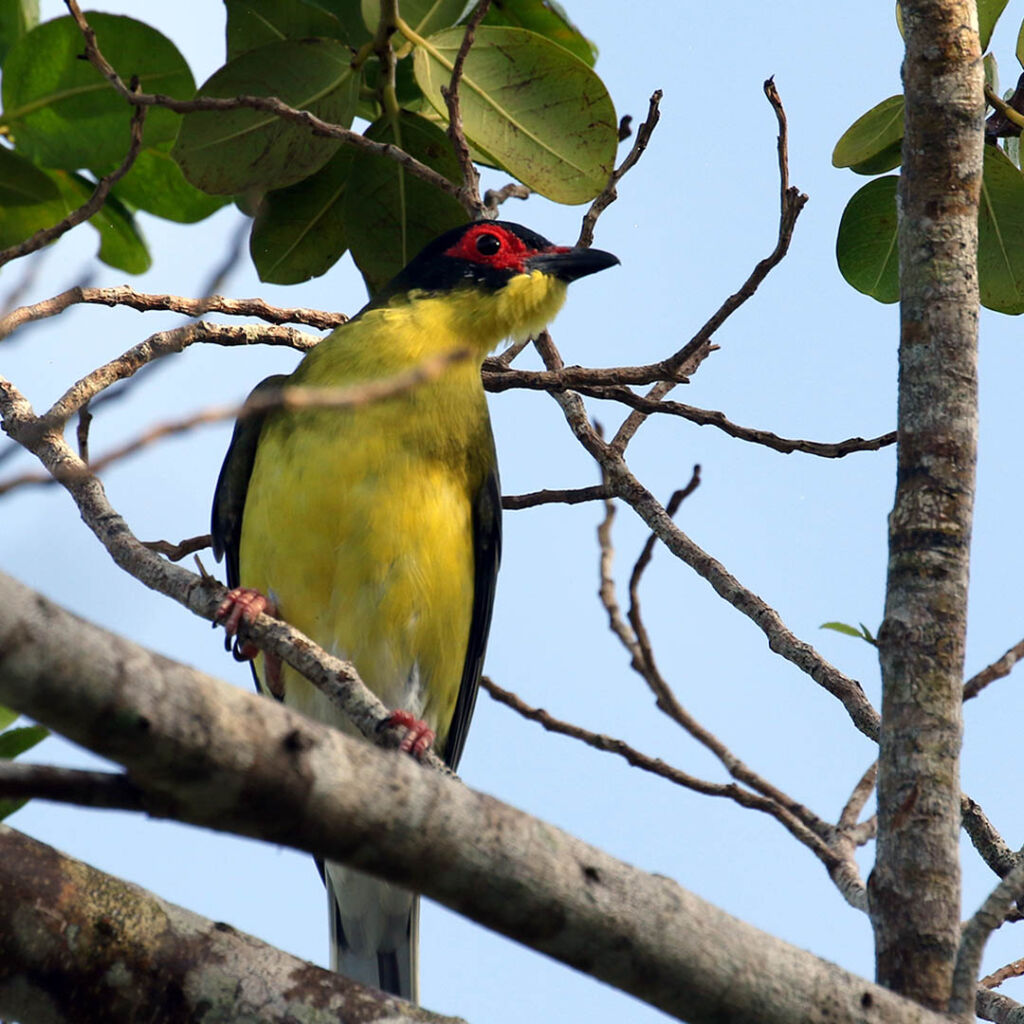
(70, 931)
(257, 768)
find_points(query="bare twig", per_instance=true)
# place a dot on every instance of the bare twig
(658, 767)
(166, 343)
(792, 201)
(1015, 969)
(125, 296)
(268, 104)
(176, 552)
(608, 194)
(570, 496)
(494, 197)
(456, 132)
(99, 196)
(991, 846)
(997, 670)
(850, 815)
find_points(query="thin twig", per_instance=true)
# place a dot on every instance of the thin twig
(456, 132)
(122, 295)
(608, 194)
(494, 197)
(997, 670)
(1015, 969)
(184, 548)
(569, 496)
(658, 767)
(991, 846)
(91, 206)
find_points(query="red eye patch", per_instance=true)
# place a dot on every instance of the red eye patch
(493, 246)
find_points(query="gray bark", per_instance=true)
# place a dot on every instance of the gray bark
(915, 887)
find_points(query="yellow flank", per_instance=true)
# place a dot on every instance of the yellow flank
(358, 523)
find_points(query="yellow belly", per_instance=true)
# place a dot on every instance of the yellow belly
(365, 544)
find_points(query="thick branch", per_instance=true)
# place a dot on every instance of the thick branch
(78, 946)
(210, 754)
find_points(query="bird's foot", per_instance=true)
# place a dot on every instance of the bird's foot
(244, 605)
(418, 735)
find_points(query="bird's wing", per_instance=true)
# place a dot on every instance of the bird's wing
(487, 555)
(233, 484)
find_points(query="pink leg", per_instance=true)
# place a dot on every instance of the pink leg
(418, 736)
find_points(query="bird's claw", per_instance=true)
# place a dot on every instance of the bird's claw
(241, 605)
(418, 735)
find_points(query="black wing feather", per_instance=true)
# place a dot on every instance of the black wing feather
(233, 484)
(487, 555)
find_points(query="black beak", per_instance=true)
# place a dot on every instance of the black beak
(571, 264)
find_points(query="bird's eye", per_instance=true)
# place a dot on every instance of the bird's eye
(488, 245)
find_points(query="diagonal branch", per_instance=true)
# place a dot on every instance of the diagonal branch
(258, 768)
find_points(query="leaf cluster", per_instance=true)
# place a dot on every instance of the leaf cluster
(866, 246)
(531, 105)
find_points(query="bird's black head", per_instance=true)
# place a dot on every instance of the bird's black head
(488, 254)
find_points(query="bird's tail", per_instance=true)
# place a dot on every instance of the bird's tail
(374, 931)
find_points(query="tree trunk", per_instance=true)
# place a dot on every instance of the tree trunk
(915, 887)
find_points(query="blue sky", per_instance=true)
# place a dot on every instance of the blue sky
(807, 357)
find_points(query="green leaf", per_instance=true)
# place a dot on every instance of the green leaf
(1020, 44)
(988, 15)
(16, 18)
(225, 152)
(255, 23)
(60, 110)
(871, 134)
(424, 16)
(155, 184)
(29, 199)
(881, 162)
(1001, 234)
(299, 232)
(389, 214)
(1012, 148)
(841, 627)
(16, 741)
(121, 244)
(531, 104)
(547, 19)
(991, 66)
(350, 16)
(866, 247)
(7, 716)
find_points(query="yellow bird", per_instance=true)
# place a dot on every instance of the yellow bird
(377, 530)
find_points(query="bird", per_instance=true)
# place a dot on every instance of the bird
(376, 529)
